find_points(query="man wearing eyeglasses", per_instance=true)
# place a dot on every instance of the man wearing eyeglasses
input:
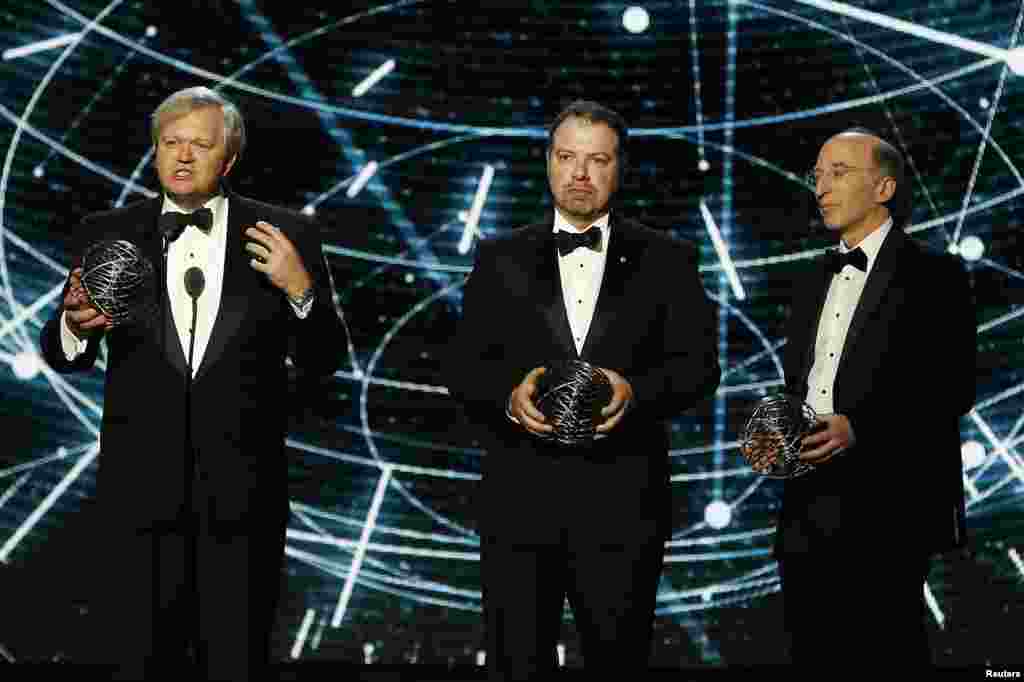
(881, 343)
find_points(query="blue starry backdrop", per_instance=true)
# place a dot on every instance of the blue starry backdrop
(413, 129)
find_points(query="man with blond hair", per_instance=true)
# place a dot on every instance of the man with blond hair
(194, 502)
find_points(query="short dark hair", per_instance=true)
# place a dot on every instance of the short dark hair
(595, 113)
(890, 161)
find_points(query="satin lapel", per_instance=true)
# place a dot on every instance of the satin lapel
(165, 334)
(548, 281)
(625, 254)
(233, 299)
(878, 281)
(822, 280)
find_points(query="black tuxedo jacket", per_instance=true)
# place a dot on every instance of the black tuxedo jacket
(239, 396)
(653, 325)
(905, 376)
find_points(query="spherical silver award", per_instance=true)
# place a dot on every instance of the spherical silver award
(119, 281)
(571, 395)
(771, 438)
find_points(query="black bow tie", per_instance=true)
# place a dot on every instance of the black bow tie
(567, 242)
(857, 258)
(172, 223)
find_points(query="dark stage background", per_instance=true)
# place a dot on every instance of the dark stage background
(729, 101)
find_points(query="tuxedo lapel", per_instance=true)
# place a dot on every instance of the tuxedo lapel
(821, 279)
(548, 280)
(625, 254)
(162, 328)
(233, 299)
(874, 289)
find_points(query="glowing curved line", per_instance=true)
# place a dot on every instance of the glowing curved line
(20, 124)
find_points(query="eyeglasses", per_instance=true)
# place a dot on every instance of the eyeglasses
(835, 174)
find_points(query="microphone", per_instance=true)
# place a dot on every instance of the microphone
(195, 282)
(170, 227)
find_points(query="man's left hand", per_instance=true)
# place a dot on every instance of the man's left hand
(275, 256)
(622, 398)
(828, 441)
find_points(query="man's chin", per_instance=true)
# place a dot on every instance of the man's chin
(581, 213)
(190, 199)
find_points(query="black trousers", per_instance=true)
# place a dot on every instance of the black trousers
(852, 590)
(594, 548)
(156, 626)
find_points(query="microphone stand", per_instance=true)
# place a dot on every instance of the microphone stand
(194, 285)
(169, 231)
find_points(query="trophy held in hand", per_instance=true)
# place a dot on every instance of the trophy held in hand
(771, 438)
(119, 281)
(571, 396)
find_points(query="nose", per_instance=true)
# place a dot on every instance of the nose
(819, 187)
(579, 170)
(185, 152)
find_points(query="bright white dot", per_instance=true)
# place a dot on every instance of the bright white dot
(308, 210)
(718, 514)
(704, 166)
(409, 278)
(983, 102)
(368, 650)
(953, 249)
(561, 654)
(463, 216)
(25, 365)
(705, 596)
(481, 657)
(62, 452)
(972, 453)
(971, 248)
(38, 171)
(150, 31)
(1015, 60)
(636, 19)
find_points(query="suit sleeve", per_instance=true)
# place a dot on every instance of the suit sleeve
(687, 370)
(319, 338)
(49, 337)
(475, 367)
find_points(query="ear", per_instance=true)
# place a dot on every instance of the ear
(886, 189)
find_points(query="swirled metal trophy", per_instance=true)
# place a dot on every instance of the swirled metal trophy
(571, 396)
(119, 281)
(772, 435)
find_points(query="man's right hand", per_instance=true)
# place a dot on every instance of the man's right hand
(82, 318)
(522, 408)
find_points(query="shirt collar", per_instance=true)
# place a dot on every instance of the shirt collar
(871, 244)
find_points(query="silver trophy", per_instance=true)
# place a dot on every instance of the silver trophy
(119, 281)
(571, 396)
(771, 439)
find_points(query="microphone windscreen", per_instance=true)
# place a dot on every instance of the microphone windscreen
(195, 282)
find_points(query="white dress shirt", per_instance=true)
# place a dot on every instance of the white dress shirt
(193, 247)
(581, 273)
(840, 303)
